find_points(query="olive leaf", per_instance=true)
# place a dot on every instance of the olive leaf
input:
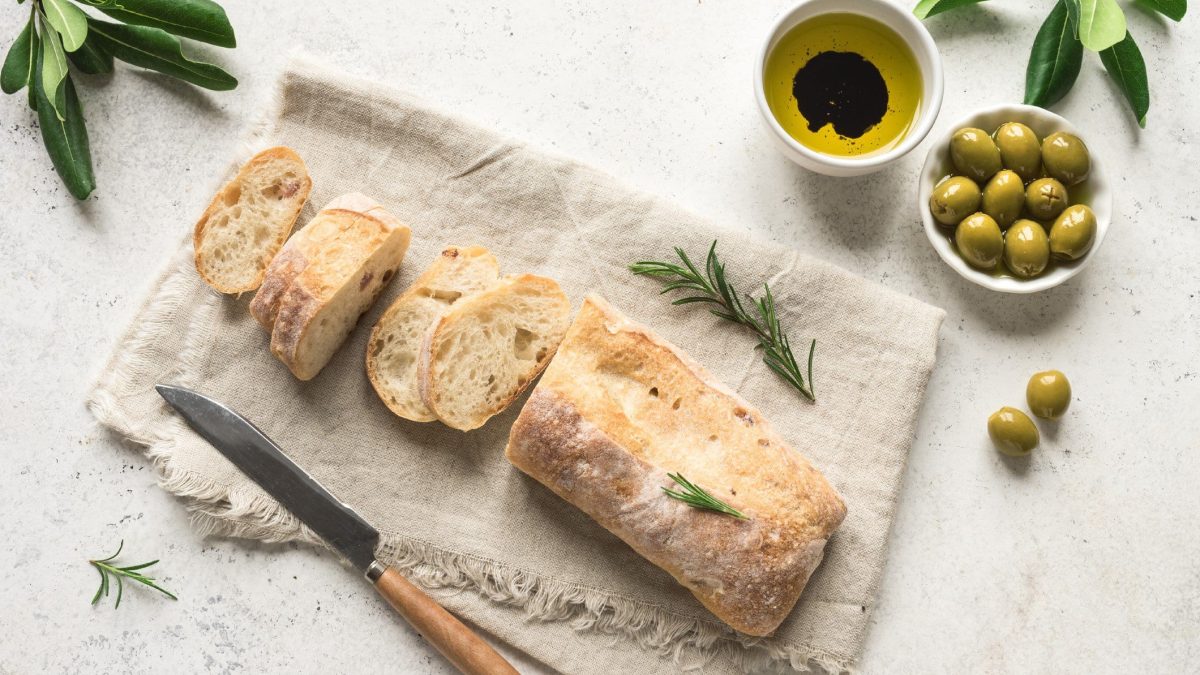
(1055, 59)
(1173, 9)
(91, 57)
(65, 135)
(18, 64)
(68, 21)
(59, 33)
(202, 20)
(928, 8)
(53, 69)
(157, 50)
(35, 57)
(1125, 65)
(1099, 24)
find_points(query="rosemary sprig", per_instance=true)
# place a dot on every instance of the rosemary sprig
(697, 497)
(712, 287)
(106, 568)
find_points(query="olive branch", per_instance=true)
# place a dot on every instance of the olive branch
(60, 36)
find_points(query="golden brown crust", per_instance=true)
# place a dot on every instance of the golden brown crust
(218, 202)
(618, 409)
(331, 253)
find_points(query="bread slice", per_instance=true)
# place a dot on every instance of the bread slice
(248, 220)
(325, 277)
(479, 356)
(619, 409)
(399, 334)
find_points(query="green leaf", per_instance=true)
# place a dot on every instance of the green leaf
(91, 57)
(68, 20)
(1174, 9)
(1054, 60)
(35, 56)
(928, 8)
(18, 65)
(1073, 16)
(157, 50)
(1101, 23)
(1125, 65)
(54, 69)
(65, 137)
(202, 20)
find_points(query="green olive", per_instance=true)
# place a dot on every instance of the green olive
(1048, 394)
(1026, 249)
(1004, 197)
(1045, 198)
(974, 154)
(1013, 432)
(954, 199)
(1020, 150)
(1073, 232)
(1066, 158)
(979, 241)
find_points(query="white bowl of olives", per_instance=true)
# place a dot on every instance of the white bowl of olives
(1014, 200)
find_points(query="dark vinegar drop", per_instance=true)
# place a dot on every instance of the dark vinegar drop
(843, 89)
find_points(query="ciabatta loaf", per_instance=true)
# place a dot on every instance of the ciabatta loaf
(325, 277)
(479, 356)
(399, 335)
(618, 409)
(249, 219)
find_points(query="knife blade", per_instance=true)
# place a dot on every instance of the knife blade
(264, 462)
(250, 450)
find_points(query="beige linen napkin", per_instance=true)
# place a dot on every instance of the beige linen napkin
(492, 544)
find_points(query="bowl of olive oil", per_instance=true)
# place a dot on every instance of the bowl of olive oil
(848, 86)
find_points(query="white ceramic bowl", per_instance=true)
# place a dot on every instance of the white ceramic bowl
(1043, 123)
(891, 14)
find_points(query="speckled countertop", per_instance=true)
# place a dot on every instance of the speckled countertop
(1082, 560)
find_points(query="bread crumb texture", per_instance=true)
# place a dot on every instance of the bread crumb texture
(248, 220)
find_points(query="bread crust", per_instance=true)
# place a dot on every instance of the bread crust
(218, 202)
(586, 435)
(300, 284)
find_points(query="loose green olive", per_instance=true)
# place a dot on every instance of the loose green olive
(979, 241)
(1004, 197)
(1066, 158)
(1013, 432)
(1048, 394)
(1045, 198)
(1073, 232)
(1026, 249)
(1020, 150)
(974, 154)
(954, 199)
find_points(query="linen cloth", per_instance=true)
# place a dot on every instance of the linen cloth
(490, 543)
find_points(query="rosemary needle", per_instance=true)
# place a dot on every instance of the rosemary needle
(712, 287)
(108, 569)
(695, 496)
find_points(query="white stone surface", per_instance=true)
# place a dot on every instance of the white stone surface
(1082, 560)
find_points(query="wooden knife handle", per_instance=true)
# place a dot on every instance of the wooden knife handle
(459, 644)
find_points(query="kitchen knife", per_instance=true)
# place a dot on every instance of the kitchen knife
(354, 538)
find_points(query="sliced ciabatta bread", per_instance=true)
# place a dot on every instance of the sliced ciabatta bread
(482, 353)
(297, 254)
(399, 334)
(325, 277)
(619, 410)
(248, 220)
